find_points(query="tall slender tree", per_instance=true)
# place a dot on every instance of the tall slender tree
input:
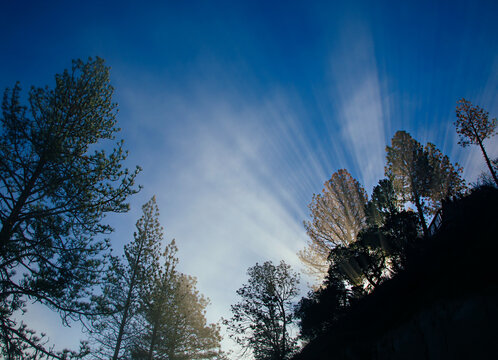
(156, 305)
(473, 127)
(338, 215)
(175, 325)
(125, 285)
(56, 185)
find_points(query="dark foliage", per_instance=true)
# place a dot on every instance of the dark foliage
(318, 311)
(57, 182)
(455, 264)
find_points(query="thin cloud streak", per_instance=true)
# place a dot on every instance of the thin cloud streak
(234, 189)
(357, 95)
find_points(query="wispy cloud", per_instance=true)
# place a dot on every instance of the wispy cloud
(357, 94)
(232, 175)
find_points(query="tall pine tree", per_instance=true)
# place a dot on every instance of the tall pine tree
(422, 176)
(126, 281)
(57, 182)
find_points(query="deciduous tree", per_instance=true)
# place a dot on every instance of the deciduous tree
(318, 311)
(262, 319)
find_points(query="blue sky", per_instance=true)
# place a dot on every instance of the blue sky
(239, 111)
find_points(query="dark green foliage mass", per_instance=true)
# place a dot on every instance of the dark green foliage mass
(356, 269)
(57, 182)
(384, 202)
(318, 311)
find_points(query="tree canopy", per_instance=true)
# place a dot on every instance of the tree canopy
(155, 312)
(473, 127)
(58, 179)
(337, 216)
(422, 176)
(172, 321)
(261, 320)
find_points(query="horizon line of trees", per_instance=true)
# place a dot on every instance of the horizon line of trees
(58, 180)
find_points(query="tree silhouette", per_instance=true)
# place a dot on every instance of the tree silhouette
(56, 185)
(473, 127)
(318, 311)
(446, 180)
(262, 319)
(382, 204)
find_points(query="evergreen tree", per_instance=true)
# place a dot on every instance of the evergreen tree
(473, 126)
(338, 214)
(172, 315)
(446, 180)
(382, 204)
(56, 185)
(409, 171)
(422, 176)
(126, 281)
(380, 248)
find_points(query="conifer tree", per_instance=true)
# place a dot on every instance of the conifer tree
(409, 171)
(338, 215)
(174, 322)
(422, 176)
(56, 185)
(473, 126)
(126, 281)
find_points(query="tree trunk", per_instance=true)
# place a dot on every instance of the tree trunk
(493, 173)
(123, 322)
(8, 224)
(153, 340)
(127, 305)
(421, 215)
